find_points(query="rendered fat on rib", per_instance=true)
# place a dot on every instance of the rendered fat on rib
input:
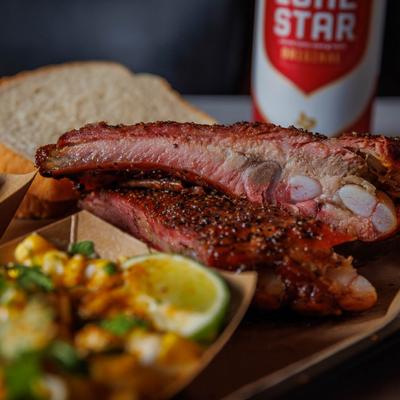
(349, 182)
(293, 256)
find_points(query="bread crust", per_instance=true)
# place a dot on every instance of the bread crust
(33, 207)
(46, 196)
(54, 67)
(48, 189)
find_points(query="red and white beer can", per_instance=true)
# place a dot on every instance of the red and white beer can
(316, 63)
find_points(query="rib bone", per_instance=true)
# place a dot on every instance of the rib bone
(358, 200)
(303, 188)
(384, 217)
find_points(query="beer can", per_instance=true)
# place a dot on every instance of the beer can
(316, 63)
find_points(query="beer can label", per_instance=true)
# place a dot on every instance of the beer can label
(316, 62)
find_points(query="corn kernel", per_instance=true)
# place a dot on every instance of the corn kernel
(144, 345)
(53, 262)
(13, 273)
(99, 273)
(178, 350)
(93, 339)
(33, 245)
(73, 271)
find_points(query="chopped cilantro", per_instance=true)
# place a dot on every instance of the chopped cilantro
(110, 268)
(22, 375)
(66, 356)
(122, 324)
(31, 278)
(86, 248)
(3, 283)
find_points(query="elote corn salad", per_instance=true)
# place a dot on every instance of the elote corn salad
(74, 325)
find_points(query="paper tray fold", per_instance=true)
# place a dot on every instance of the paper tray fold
(12, 191)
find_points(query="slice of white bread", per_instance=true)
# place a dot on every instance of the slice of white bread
(36, 107)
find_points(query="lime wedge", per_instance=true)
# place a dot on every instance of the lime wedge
(178, 294)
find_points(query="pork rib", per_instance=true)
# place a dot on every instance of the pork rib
(348, 182)
(296, 266)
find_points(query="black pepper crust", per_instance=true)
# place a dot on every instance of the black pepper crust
(218, 220)
(229, 234)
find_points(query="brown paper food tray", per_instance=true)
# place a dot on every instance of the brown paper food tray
(276, 351)
(12, 191)
(111, 243)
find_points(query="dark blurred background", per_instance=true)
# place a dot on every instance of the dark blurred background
(200, 46)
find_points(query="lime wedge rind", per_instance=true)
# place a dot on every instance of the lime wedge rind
(210, 330)
(202, 326)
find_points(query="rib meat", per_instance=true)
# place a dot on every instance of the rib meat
(382, 155)
(349, 182)
(293, 256)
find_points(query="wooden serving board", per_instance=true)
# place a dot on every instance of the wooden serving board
(279, 350)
